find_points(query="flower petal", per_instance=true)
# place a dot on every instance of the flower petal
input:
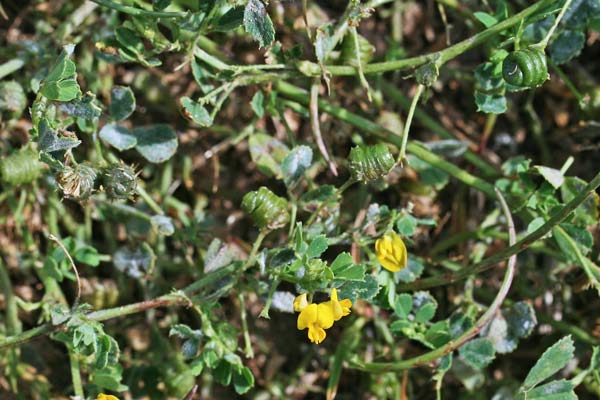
(324, 315)
(307, 317)
(300, 303)
(316, 334)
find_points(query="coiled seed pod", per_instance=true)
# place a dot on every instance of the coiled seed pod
(20, 167)
(266, 208)
(77, 182)
(526, 67)
(370, 162)
(120, 181)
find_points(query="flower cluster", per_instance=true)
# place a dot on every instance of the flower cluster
(103, 396)
(318, 317)
(391, 252)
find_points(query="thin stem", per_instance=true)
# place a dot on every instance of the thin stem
(257, 242)
(13, 324)
(470, 333)
(564, 8)
(64, 249)
(139, 12)
(265, 311)
(361, 74)
(407, 123)
(243, 316)
(556, 218)
(567, 81)
(76, 375)
(315, 125)
(149, 200)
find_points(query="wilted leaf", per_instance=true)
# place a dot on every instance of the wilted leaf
(258, 23)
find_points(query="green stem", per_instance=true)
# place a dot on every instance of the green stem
(470, 333)
(149, 200)
(313, 69)
(564, 8)
(557, 217)
(397, 97)
(13, 324)
(407, 123)
(265, 311)
(76, 375)
(567, 81)
(139, 12)
(247, 343)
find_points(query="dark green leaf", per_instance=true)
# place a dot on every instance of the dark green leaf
(87, 255)
(412, 272)
(317, 246)
(343, 268)
(587, 213)
(157, 143)
(268, 153)
(478, 353)
(231, 20)
(85, 107)
(437, 335)
(425, 313)
(521, 319)
(406, 225)
(118, 136)
(403, 305)
(553, 360)
(122, 102)
(566, 46)
(486, 19)
(50, 142)
(135, 262)
(258, 23)
(243, 380)
(196, 112)
(364, 290)
(555, 390)
(258, 104)
(222, 373)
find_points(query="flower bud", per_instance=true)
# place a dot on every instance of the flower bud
(120, 181)
(368, 163)
(266, 208)
(77, 182)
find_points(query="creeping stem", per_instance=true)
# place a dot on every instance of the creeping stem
(470, 333)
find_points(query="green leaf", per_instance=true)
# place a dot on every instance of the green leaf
(156, 143)
(163, 224)
(122, 102)
(258, 104)
(403, 305)
(87, 255)
(500, 335)
(231, 20)
(109, 378)
(486, 19)
(477, 353)
(490, 103)
(85, 107)
(566, 46)
(425, 313)
(60, 83)
(258, 23)
(317, 247)
(521, 319)
(196, 112)
(551, 175)
(555, 390)
(412, 272)
(268, 153)
(343, 268)
(222, 373)
(297, 161)
(554, 359)
(50, 142)
(364, 290)
(183, 331)
(118, 136)
(582, 239)
(587, 213)
(324, 193)
(243, 380)
(535, 224)
(12, 98)
(437, 335)
(406, 225)
(489, 89)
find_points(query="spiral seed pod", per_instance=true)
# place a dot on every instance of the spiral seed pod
(266, 208)
(120, 181)
(370, 162)
(78, 182)
(525, 68)
(20, 167)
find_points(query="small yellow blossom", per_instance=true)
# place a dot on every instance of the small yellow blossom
(391, 252)
(339, 308)
(317, 318)
(300, 303)
(103, 396)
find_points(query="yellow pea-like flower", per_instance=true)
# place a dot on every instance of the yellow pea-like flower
(300, 303)
(103, 396)
(391, 252)
(317, 318)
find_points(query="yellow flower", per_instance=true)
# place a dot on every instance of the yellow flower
(300, 303)
(317, 318)
(103, 396)
(339, 308)
(391, 252)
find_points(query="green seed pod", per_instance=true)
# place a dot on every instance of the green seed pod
(120, 181)
(525, 68)
(77, 182)
(370, 162)
(266, 208)
(20, 167)
(348, 54)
